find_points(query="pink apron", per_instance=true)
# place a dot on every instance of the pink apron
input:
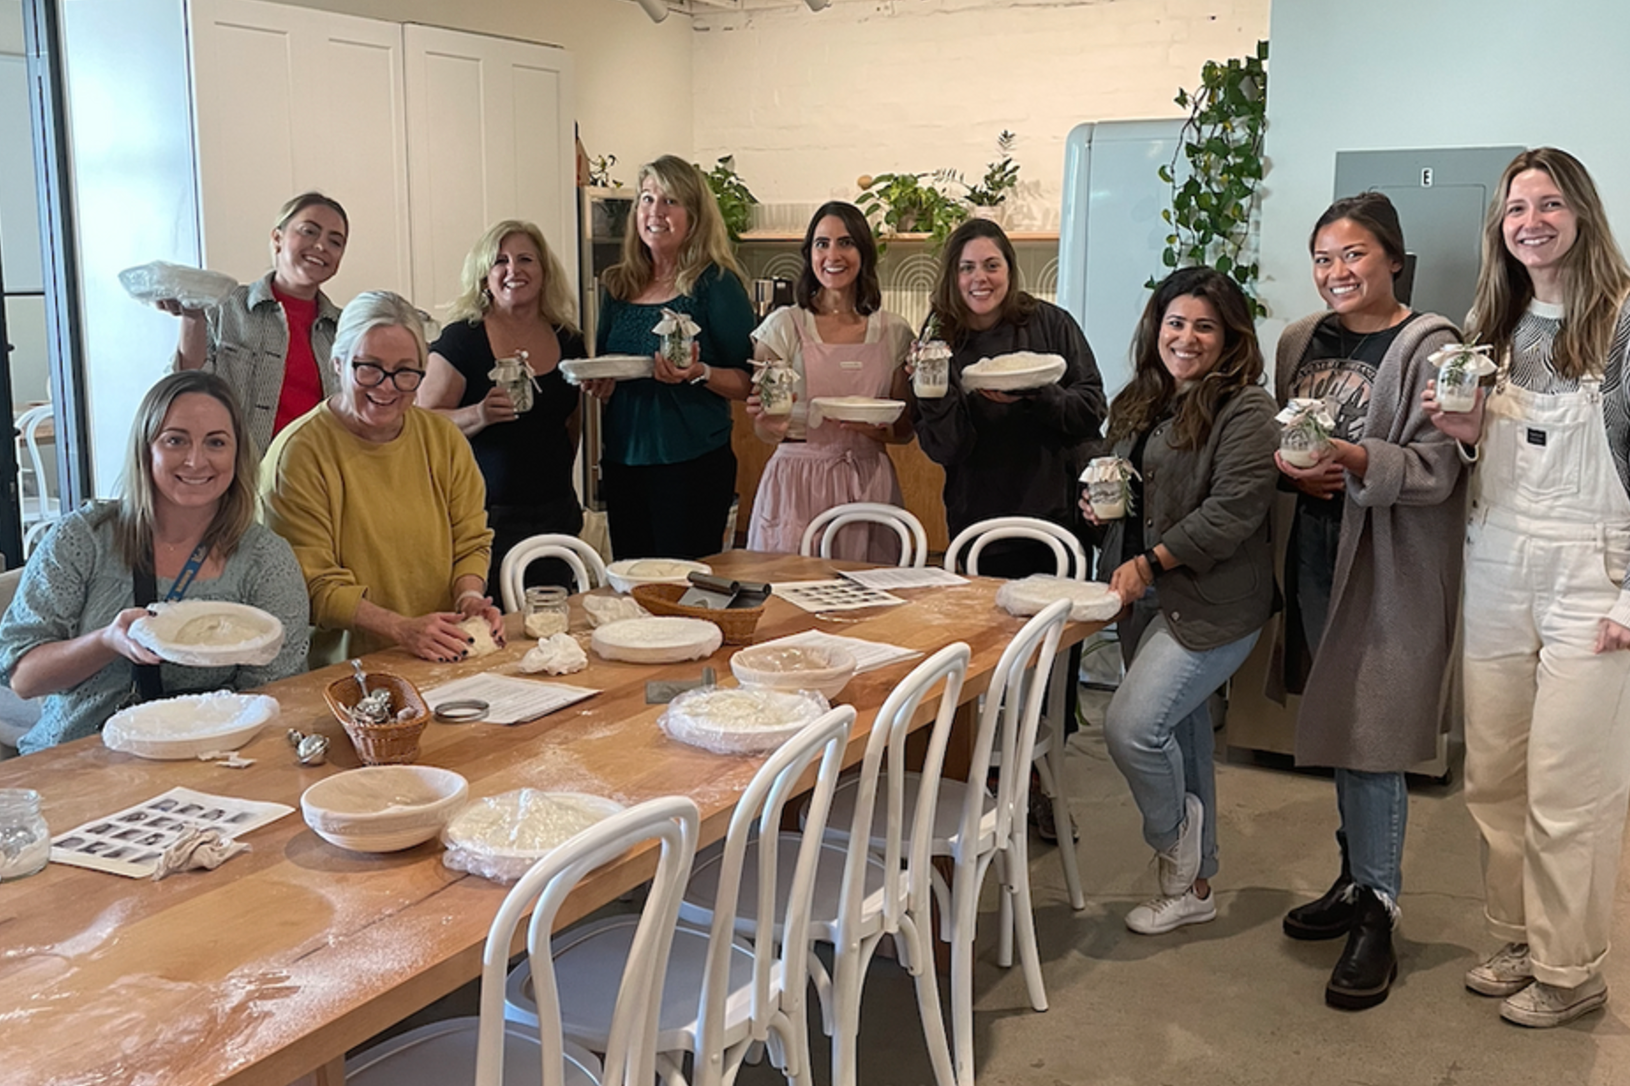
(831, 465)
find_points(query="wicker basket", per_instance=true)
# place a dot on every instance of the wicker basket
(736, 624)
(396, 743)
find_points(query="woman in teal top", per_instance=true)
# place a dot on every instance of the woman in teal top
(668, 472)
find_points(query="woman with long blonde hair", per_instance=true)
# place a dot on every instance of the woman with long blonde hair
(666, 465)
(1547, 615)
(517, 305)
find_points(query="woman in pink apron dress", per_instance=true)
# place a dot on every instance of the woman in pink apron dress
(1547, 612)
(837, 341)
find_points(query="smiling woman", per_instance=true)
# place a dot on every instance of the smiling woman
(382, 501)
(185, 528)
(271, 338)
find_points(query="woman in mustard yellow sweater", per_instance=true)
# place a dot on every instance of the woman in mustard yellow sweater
(382, 502)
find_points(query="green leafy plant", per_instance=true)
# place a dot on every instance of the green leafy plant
(736, 200)
(908, 203)
(600, 172)
(1214, 200)
(1001, 176)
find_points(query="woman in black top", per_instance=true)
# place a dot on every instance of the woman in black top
(517, 302)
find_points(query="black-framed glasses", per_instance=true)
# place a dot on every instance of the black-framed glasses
(372, 375)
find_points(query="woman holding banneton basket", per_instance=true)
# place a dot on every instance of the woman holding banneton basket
(271, 339)
(1191, 556)
(837, 341)
(516, 319)
(382, 501)
(1374, 549)
(667, 468)
(185, 526)
(1547, 619)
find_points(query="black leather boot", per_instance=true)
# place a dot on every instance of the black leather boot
(1331, 916)
(1367, 967)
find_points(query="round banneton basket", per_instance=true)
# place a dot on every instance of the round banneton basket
(395, 743)
(736, 624)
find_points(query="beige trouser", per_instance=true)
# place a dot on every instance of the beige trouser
(1547, 719)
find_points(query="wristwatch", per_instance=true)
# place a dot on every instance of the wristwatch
(701, 378)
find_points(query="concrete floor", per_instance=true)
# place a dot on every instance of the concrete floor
(1234, 1001)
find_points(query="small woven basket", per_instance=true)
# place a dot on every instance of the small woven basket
(737, 624)
(395, 743)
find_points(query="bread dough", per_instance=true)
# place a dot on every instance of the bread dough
(1090, 601)
(1014, 372)
(659, 567)
(664, 639)
(501, 837)
(209, 633)
(740, 721)
(214, 630)
(480, 635)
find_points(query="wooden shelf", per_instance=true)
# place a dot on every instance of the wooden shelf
(780, 237)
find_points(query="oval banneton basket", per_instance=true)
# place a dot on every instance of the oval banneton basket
(396, 743)
(736, 624)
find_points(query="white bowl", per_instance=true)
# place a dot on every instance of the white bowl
(855, 409)
(383, 808)
(500, 837)
(209, 633)
(726, 720)
(1014, 372)
(625, 573)
(662, 639)
(618, 367)
(188, 725)
(821, 668)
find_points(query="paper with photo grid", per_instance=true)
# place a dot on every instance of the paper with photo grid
(509, 700)
(131, 841)
(867, 654)
(889, 577)
(833, 595)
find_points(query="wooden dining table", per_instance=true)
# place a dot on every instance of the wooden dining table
(273, 965)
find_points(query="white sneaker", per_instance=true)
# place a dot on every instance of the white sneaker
(1159, 915)
(1505, 972)
(1179, 865)
(1543, 1006)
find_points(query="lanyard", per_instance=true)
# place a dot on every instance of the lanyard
(188, 574)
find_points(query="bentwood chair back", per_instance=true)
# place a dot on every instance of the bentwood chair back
(492, 1051)
(725, 994)
(1071, 557)
(827, 524)
(588, 571)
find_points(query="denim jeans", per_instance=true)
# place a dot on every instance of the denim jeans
(1159, 730)
(1374, 811)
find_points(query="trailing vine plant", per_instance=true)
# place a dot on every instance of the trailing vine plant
(1214, 200)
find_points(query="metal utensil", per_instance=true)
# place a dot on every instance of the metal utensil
(362, 676)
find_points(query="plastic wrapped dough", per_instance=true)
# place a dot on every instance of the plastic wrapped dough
(500, 837)
(194, 288)
(729, 720)
(1090, 601)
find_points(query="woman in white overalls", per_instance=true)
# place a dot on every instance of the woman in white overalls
(1547, 620)
(837, 341)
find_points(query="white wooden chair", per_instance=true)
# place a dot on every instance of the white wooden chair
(588, 571)
(491, 1050)
(1048, 757)
(725, 994)
(827, 524)
(860, 894)
(36, 504)
(975, 829)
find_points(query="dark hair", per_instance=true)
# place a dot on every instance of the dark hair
(946, 303)
(1375, 213)
(868, 290)
(1153, 388)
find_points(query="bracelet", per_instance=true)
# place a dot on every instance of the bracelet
(704, 377)
(1155, 568)
(467, 593)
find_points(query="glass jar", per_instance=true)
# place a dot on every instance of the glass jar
(1457, 385)
(545, 612)
(25, 842)
(1302, 447)
(931, 369)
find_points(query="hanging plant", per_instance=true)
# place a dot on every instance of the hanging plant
(1214, 203)
(736, 200)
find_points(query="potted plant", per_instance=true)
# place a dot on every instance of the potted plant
(908, 203)
(736, 200)
(1001, 178)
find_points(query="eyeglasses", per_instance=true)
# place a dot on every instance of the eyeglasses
(372, 375)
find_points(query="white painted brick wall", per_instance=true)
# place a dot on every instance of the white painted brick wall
(809, 101)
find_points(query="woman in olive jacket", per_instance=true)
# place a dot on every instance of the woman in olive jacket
(1193, 559)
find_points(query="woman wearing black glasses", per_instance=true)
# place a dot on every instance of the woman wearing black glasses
(392, 553)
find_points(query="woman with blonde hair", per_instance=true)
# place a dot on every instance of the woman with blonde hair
(271, 338)
(666, 465)
(184, 529)
(1547, 614)
(518, 306)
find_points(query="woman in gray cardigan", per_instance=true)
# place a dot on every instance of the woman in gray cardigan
(1193, 559)
(1372, 574)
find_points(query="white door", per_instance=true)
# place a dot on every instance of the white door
(289, 99)
(490, 137)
